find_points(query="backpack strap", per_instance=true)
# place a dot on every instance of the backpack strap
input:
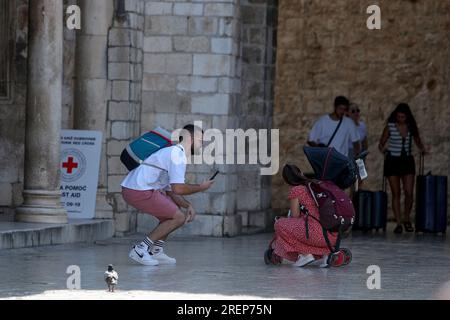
(305, 211)
(338, 240)
(154, 166)
(335, 131)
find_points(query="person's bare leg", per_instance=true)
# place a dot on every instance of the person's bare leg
(394, 182)
(167, 227)
(408, 187)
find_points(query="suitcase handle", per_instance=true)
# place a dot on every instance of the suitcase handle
(384, 183)
(422, 164)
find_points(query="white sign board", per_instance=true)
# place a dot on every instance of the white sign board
(80, 166)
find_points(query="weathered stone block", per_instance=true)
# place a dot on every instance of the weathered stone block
(219, 9)
(170, 102)
(159, 82)
(166, 25)
(197, 84)
(155, 63)
(211, 104)
(200, 202)
(188, 9)
(121, 90)
(203, 225)
(203, 26)
(122, 222)
(157, 44)
(115, 166)
(5, 194)
(119, 54)
(119, 71)
(158, 8)
(119, 37)
(191, 44)
(120, 111)
(232, 225)
(212, 65)
(114, 183)
(222, 45)
(179, 64)
(115, 148)
(121, 130)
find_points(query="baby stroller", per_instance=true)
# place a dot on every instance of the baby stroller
(333, 173)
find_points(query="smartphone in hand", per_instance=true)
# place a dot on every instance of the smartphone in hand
(215, 174)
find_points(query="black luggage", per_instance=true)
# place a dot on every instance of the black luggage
(362, 201)
(371, 209)
(431, 202)
(380, 208)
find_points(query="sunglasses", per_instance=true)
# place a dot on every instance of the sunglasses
(356, 111)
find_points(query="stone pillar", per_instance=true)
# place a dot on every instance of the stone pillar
(92, 87)
(43, 115)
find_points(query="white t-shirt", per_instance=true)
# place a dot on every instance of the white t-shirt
(324, 128)
(362, 130)
(172, 159)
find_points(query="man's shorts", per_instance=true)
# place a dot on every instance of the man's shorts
(152, 202)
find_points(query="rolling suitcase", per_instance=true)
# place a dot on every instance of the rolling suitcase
(431, 202)
(363, 210)
(379, 208)
(371, 210)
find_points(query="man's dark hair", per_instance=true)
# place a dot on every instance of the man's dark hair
(341, 101)
(191, 129)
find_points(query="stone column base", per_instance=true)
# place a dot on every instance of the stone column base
(41, 206)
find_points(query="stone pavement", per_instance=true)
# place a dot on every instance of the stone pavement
(412, 267)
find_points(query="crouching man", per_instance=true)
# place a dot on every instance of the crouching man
(157, 187)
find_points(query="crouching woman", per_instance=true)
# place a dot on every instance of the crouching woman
(297, 238)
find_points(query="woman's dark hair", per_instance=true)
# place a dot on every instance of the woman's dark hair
(410, 120)
(293, 176)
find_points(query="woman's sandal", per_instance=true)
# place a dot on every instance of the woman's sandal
(398, 229)
(408, 227)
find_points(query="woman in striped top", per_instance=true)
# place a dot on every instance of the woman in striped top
(399, 166)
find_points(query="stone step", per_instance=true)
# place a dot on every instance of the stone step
(253, 230)
(15, 235)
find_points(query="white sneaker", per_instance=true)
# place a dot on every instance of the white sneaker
(163, 258)
(140, 254)
(323, 261)
(304, 260)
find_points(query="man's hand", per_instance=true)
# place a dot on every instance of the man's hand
(191, 214)
(207, 184)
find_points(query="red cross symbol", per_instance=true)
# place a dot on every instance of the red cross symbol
(70, 165)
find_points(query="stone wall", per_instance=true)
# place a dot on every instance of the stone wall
(258, 56)
(125, 72)
(191, 74)
(325, 49)
(12, 115)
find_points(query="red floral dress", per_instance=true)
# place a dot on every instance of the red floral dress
(290, 233)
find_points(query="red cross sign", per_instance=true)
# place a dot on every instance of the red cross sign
(70, 165)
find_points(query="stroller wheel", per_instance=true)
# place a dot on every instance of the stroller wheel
(347, 256)
(336, 259)
(267, 255)
(271, 258)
